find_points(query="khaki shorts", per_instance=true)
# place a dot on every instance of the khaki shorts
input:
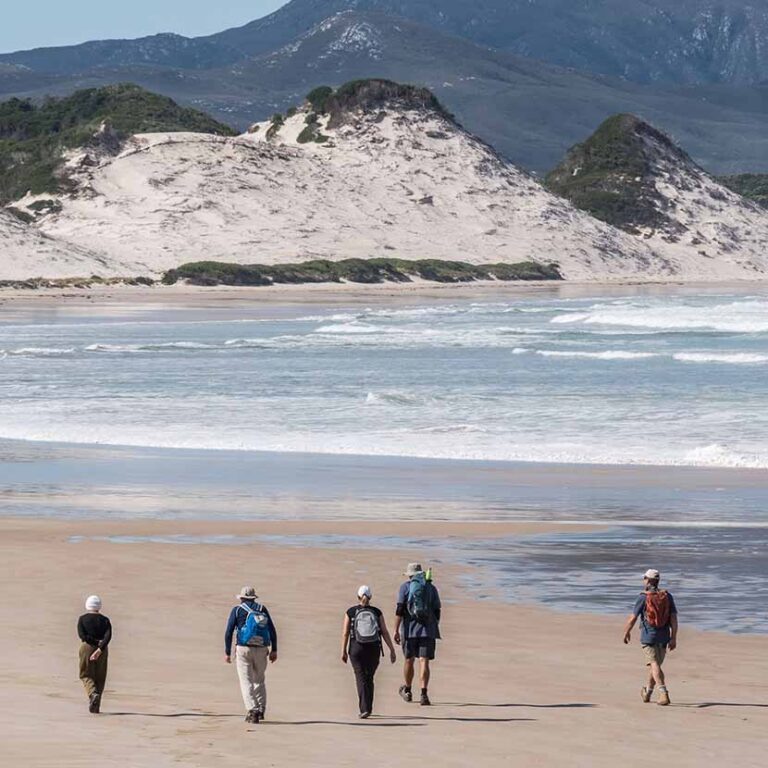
(655, 653)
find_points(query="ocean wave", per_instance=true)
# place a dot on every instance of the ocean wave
(41, 351)
(716, 455)
(392, 397)
(350, 328)
(734, 317)
(428, 443)
(609, 354)
(732, 358)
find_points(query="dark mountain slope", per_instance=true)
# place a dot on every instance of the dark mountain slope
(530, 111)
(689, 41)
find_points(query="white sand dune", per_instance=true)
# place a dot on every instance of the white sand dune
(405, 183)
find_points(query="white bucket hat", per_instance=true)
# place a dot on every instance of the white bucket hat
(93, 603)
(247, 593)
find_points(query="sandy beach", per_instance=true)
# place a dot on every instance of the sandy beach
(512, 684)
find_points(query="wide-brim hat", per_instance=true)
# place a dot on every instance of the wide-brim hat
(412, 569)
(247, 593)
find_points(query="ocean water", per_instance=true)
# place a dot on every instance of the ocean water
(658, 380)
(361, 413)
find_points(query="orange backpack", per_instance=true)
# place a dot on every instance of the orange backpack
(657, 608)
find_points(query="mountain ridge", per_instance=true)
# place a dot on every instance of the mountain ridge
(515, 103)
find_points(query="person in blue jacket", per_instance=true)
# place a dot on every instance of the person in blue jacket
(256, 645)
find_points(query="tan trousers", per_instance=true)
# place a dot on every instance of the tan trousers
(251, 664)
(93, 674)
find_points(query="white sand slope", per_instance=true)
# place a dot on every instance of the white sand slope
(720, 232)
(25, 252)
(409, 184)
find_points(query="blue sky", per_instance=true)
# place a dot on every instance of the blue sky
(56, 22)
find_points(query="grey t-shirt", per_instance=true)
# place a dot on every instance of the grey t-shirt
(413, 629)
(653, 635)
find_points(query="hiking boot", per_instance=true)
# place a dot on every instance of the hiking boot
(664, 700)
(364, 715)
(251, 716)
(258, 717)
(94, 703)
(405, 693)
(425, 702)
(646, 693)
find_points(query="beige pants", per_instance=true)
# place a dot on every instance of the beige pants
(93, 674)
(251, 664)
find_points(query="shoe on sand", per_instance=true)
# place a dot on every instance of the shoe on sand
(364, 715)
(405, 694)
(663, 699)
(425, 702)
(646, 693)
(94, 703)
(251, 716)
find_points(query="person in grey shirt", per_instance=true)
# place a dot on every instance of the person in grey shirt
(417, 627)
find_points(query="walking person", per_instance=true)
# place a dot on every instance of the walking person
(256, 644)
(657, 612)
(95, 632)
(417, 627)
(362, 634)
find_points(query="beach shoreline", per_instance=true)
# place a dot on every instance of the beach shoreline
(109, 299)
(522, 693)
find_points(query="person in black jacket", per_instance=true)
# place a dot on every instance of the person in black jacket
(95, 632)
(362, 634)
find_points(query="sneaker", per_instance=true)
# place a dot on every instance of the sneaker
(94, 703)
(405, 694)
(425, 702)
(646, 693)
(258, 717)
(664, 700)
(364, 715)
(251, 716)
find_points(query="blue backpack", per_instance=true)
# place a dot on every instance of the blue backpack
(255, 631)
(420, 599)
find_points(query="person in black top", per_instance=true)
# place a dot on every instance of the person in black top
(95, 631)
(361, 642)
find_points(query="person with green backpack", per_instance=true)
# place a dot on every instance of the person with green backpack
(657, 612)
(362, 634)
(417, 627)
(256, 645)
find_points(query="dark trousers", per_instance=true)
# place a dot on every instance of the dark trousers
(365, 659)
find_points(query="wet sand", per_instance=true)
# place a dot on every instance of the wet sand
(513, 685)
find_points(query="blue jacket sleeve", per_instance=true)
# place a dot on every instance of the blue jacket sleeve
(229, 631)
(272, 632)
(639, 606)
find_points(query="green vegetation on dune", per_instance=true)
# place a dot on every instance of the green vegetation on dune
(753, 186)
(377, 270)
(33, 137)
(608, 175)
(369, 95)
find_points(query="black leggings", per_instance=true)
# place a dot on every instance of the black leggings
(365, 659)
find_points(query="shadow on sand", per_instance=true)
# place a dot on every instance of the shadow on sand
(170, 714)
(575, 705)
(427, 718)
(361, 724)
(707, 704)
